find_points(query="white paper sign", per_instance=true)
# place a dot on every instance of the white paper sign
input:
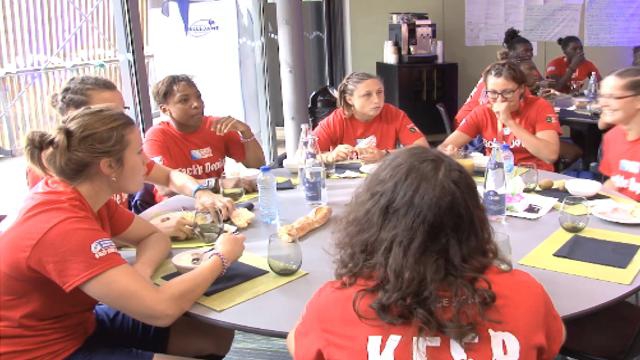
(612, 23)
(552, 20)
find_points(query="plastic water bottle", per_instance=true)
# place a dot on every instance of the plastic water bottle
(508, 160)
(592, 87)
(268, 200)
(495, 188)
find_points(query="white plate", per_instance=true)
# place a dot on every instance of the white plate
(618, 213)
(368, 168)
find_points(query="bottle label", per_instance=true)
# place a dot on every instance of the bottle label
(313, 184)
(494, 203)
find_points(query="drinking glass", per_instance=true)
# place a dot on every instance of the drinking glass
(284, 254)
(209, 226)
(503, 262)
(575, 86)
(329, 165)
(529, 175)
(574, 214)
(231, 186)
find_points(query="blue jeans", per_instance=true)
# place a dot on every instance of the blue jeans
(117, 336)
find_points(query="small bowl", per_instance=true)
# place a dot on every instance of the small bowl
(582, 187)
(291, 165)
(581, 103)
(249, 174)
(183, 261)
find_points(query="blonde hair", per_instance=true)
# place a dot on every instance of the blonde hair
(348, 87)
(84, 138)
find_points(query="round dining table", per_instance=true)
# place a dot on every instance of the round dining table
(275, 312)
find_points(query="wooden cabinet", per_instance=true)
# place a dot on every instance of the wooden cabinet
(418, 88)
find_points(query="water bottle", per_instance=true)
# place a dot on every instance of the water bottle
(495, 188)
(508, 160)
(592, 87)
(268, 200)
(314, 175)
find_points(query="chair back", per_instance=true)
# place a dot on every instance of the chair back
(321, 103)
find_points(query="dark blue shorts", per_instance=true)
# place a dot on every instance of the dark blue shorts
(117, 336)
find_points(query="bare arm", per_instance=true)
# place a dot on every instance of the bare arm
(453, 142)
(544, 145)
(152, 246)
(125, 289)
(291, 341)
(182, 183)
(254, 156)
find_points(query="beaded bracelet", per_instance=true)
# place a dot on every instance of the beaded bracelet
(243, 140)
(223, 260)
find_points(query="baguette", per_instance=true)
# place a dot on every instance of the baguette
(316, 218)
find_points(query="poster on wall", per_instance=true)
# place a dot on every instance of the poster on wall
(198, 38)
(487, 20)
(552, 20)
(612, 23)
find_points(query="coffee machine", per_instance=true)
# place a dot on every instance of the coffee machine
(415, 36)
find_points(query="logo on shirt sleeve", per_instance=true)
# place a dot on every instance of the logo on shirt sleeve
(551, 118)
(157, 159)
(412, 128)
(199, 154)
(103, 247)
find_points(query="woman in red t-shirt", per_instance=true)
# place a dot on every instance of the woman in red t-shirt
(571, 70)
(364, 123)
(60, 257)
(415, 276)
(528, 124)
(619, 99)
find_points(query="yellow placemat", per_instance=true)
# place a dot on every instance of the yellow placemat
(239, 293)
(542, 257)
(254, 195)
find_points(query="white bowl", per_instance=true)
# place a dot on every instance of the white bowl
(250, 174)
(582, 187)
(291, 165)
(183, 261)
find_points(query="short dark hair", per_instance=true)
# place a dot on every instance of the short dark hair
(164, 88)
(75, 92)
(414, 226)
(564, 42)
(505, 69)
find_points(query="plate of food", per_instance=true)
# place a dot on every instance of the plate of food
(623, 213)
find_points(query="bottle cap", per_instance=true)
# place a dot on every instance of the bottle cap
(504, 146)
(265, 168)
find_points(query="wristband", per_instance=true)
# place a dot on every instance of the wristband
(223, 260)
(209, 184)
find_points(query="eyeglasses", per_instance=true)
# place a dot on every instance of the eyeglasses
(506, 94)
(613, 97)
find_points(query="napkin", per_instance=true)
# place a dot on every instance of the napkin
(560, 194)
(285, 185)
(598, 251)
(237, 273)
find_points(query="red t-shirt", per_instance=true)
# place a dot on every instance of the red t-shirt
(57, 243)
(525, 326)
(477, 97)
(199, 154)
(558, 67)
(122, 199)
(621, 161)
(535, 115)
(390, 127)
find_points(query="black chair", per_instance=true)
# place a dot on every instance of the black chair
(322, 102)
(612, 333)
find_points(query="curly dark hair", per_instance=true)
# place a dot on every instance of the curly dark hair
(564, 42)
(512, 38)
(417, 230)
(164, 88)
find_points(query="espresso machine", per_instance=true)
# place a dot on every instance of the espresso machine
(415, 36)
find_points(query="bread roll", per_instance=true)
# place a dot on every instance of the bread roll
(316, 218)
(242, 217)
